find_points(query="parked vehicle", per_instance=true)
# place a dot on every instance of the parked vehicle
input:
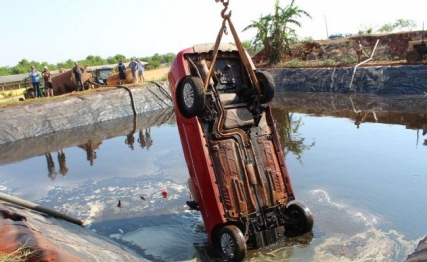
(100, 75)
(238, 174)
(416, 50)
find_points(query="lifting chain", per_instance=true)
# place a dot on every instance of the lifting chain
(242, 53)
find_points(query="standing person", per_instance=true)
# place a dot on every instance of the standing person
(63, 169)
(130, 140)
(122, 72)
(78, 72)
(140, 70)
(51, 167)
(133, 66)
(360, 52)
(47, 81)
(141, 140)
(35, 80)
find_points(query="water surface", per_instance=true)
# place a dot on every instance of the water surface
(358, 162)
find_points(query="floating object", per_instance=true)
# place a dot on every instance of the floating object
(119, 204)
(142, 197)
(164, 193)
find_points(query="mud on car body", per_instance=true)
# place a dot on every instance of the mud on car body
(237, 168)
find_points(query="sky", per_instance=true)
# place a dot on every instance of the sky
(54, 31)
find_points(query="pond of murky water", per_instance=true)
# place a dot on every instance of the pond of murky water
(357, 162)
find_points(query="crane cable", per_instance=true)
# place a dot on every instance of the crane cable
(242, 53)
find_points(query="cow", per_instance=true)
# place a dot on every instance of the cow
(65, 82)
(113, 79)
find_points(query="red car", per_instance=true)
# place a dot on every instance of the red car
(239, 178)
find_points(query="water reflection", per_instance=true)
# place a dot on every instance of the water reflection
(94, 135)
(51, 167)
(63, 169)
(90, 148)
(409, 111)
(353, 160)
(130, 140)
(288, 125)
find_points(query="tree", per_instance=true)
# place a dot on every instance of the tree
(250, 48)
(116, 59)
(365, 30)
(94, 61)
(67, 64)
(4, 71)
(400, 24)
(274, 31)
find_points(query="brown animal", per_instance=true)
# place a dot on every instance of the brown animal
(113, 79)
(65, 82)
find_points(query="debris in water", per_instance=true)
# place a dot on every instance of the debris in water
(164, 193)
(119, 204)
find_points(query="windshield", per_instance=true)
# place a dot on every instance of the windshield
(104, 73)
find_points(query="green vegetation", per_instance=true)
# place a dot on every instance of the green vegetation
(251, 49)
(328, 62)
(24, 65)
(400, 25)
(274, 31)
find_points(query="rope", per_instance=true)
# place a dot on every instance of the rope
(131, 98)
(162, 90)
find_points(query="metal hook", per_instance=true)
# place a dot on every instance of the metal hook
(223, 15)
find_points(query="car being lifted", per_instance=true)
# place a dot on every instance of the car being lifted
(238, 173)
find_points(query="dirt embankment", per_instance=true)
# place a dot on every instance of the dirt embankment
(391, 50)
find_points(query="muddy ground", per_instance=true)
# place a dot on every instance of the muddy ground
(391, 50)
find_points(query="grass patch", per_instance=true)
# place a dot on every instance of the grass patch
(328, 62)
(23, 253)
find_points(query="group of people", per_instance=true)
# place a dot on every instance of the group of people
(35, 78)
(63, 169)
(134, 65)
(35, 81)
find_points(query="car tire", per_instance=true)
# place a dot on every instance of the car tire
(299, 220)
(191, 96)
(232, 243)
(267, 85)
(412, 56)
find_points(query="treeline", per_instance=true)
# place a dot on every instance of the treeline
(24, 65)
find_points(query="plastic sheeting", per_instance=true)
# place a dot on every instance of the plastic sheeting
(37, 119)
(410, 79)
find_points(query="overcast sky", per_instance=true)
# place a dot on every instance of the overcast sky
(56, 30)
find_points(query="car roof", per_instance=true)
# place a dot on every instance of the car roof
(104, 68)
(203, 48)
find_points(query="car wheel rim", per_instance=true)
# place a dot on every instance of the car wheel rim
(188, 95)
(227, 245)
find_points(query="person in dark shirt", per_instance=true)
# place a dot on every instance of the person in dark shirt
(47, 81)
(78, 72)
(122, 72)
(133, 66)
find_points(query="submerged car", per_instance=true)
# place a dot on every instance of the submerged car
(238, 175)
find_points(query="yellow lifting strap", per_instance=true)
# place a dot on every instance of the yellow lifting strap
(242, 53)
